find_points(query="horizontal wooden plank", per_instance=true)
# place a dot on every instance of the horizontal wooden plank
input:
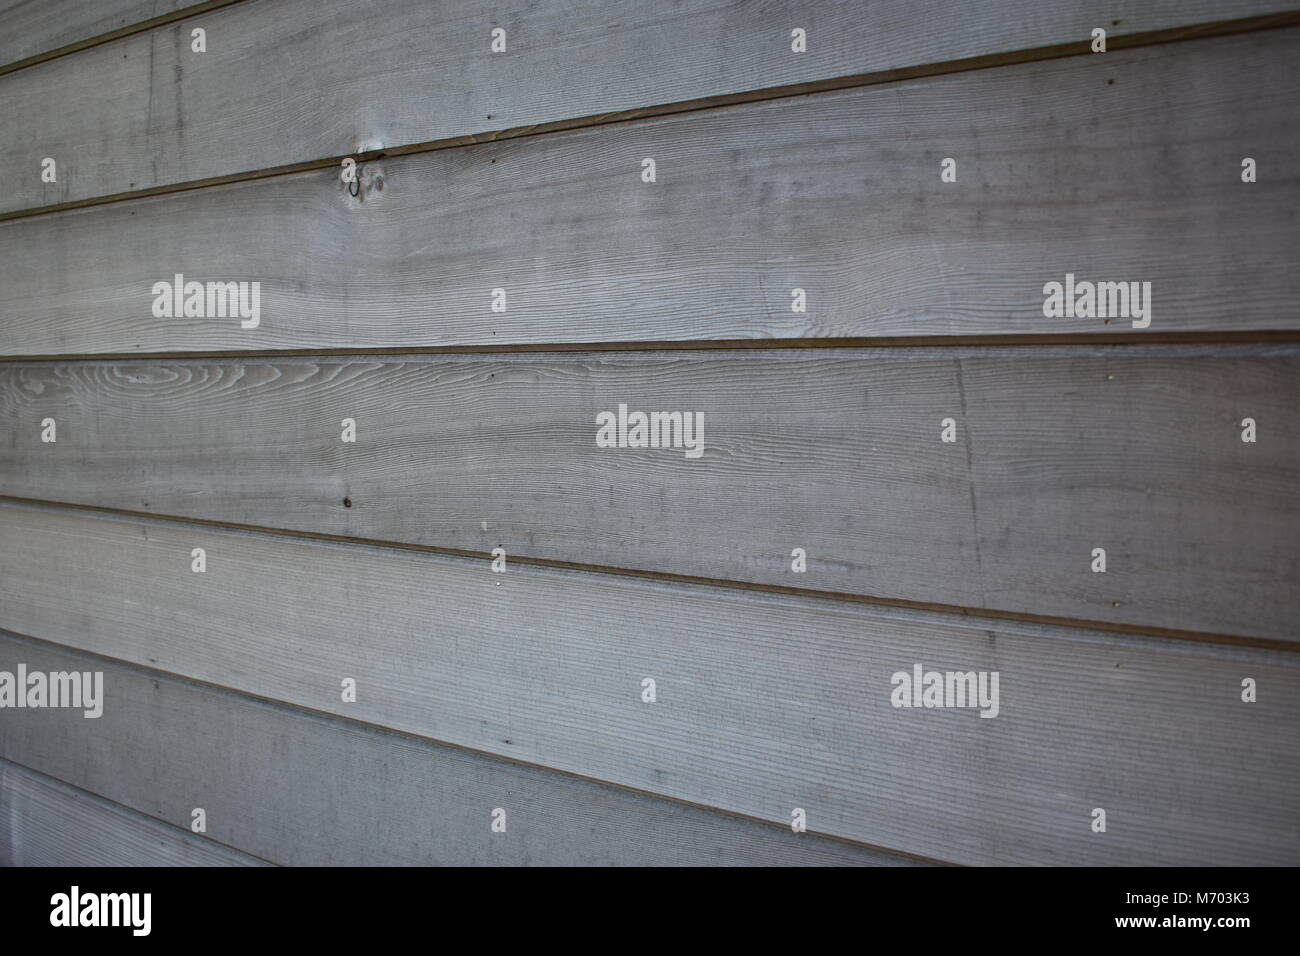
(44, 822)
(305, 789)
(1064, 168)
(1059, 451)
(763, 703)
(149, 111)
(34, 28)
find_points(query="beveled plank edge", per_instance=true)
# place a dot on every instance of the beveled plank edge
(143, 820)
(950, 611)
(156, 674)
(143, 26)
(999, 340)
(1269, 21)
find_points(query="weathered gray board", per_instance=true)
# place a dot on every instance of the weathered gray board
(304, 789)
(31, 27)
(764, 703)
(1061, 450)
(44, 822)
(838, 194)
(336, 77)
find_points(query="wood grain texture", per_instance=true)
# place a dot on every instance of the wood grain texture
(1122, 167)
(764, 703)
(44, 822)
(1134, 449)
(296, 80)
(29, 28)
(305, 789)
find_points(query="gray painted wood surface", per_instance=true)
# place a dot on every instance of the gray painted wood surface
(32, 27)
(304, 789)
(1133, 449)
(523, 690)
(1059, 171)
(764, 703)
(44, 822)
(297, 80)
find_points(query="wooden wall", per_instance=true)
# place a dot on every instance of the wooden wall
(199, 531)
